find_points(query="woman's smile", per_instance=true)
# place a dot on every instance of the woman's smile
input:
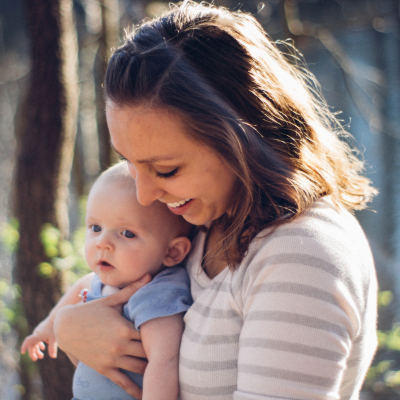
(180, 207)
(178, 203)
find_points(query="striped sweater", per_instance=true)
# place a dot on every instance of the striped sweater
(296, 320)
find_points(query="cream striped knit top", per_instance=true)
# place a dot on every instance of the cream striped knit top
(296, 320)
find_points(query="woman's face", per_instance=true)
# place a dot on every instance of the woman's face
(170, 166)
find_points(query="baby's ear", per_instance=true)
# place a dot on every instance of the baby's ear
(178, 248)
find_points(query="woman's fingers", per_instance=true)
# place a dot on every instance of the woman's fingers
(123, 381)
(98, 335)
(123, 295)
(133, 364)
(134, 347)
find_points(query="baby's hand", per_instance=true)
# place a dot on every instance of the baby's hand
(35, 343)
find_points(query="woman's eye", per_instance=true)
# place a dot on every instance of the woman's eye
(167, 174)
(128, 234)
(95, 228)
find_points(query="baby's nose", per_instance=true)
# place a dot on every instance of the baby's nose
(104, 241)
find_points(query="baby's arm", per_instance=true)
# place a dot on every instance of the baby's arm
(161, 338)
(44, 332)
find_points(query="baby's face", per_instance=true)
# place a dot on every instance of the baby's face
(124, 240)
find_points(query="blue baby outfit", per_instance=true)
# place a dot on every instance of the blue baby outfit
(167, 294)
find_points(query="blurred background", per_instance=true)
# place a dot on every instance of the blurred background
(54, 141)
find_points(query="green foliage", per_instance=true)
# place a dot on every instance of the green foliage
(65, 256)
(9, 312)
(10, 235)
(46, 270)
(50, 238)
(383, 378)
(71, 258)
(390, 340)
(385, 297)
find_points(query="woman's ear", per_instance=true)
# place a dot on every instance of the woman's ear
(178, 249)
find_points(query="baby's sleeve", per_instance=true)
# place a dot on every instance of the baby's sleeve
(167, 294)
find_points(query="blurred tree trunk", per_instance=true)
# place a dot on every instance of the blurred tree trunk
(388, 142)
(107, 39)
(45, 137)
(385, 59)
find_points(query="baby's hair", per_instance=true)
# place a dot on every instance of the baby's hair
(120, 172)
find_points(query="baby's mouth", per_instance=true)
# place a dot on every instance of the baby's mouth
(105, 264)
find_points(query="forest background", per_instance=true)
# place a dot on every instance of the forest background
(54, 141)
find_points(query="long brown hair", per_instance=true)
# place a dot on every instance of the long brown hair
(239, 94)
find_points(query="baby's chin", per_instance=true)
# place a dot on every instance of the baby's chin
(108, 290)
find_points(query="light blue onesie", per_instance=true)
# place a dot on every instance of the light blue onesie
(167, 294)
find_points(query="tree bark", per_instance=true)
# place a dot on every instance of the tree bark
(45, 138)
(107, 39)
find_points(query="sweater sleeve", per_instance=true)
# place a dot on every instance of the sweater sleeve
(301, 315)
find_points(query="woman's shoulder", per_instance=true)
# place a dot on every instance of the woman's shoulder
(324, 245)
(317, 264)
(320, 230)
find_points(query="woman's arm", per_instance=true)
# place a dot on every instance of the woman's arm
(97, 334)
(161, 339)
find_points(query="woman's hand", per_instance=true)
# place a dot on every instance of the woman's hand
(97, 334)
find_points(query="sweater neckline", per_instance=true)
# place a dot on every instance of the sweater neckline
(195, 263)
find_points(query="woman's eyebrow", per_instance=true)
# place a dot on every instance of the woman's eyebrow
(156, 159)
(149, 160)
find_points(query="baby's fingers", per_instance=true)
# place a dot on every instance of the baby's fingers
(29, 343)
(52, 348)
(35, 352)
(24, 347)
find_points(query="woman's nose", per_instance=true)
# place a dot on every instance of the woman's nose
(147, 191)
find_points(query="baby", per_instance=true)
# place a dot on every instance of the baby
(124, 242)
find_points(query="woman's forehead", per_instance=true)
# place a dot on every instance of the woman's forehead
(148, 134)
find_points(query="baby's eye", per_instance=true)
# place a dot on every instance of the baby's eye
(128, 234)
(95, 228)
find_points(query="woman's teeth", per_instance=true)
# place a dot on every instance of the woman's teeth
(178, 203)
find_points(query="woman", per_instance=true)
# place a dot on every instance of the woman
(216, 123)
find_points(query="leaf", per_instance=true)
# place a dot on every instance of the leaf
(46, 270)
